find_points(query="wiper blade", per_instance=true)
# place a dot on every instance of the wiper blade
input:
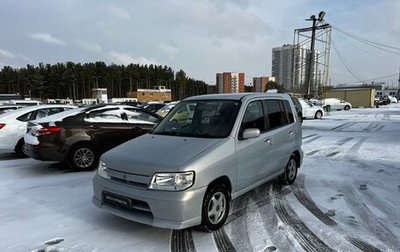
(168, 133)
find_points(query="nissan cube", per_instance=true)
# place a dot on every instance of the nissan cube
(186, 172)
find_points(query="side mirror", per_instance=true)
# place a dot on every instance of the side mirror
(251, 133)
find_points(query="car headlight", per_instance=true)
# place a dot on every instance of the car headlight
(176, 181)
(102, 170)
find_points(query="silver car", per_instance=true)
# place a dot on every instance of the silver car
(185, 172)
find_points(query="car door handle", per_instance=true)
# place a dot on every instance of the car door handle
(268, 141)
(290, 133)
(94, 127)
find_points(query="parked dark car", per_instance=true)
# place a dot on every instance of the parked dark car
(153, 106)
(79, 136)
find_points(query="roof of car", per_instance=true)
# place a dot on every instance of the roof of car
(27, 109)
(235, 96)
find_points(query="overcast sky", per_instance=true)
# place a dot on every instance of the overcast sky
(201, 37)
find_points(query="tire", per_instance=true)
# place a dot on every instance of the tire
(290, 174)
(318, 115)
(83, 157)
(347, 107)
(19, 148)
(215, 208)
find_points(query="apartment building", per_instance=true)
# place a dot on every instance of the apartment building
(230, 82)
(290, 66)
(260, 83)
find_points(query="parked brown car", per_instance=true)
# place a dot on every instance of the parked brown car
(79, 136)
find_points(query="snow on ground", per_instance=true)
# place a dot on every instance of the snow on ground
(346, 198)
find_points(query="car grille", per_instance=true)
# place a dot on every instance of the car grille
(135, 180)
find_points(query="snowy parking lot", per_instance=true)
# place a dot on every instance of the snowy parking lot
(346, 198)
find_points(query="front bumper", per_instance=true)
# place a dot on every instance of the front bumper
(164, 209)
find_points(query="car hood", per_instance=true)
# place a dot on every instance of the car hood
(152, 153)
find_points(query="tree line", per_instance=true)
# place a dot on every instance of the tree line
(76, 80)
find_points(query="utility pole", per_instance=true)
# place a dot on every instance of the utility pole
(398, 85)
(311, 62)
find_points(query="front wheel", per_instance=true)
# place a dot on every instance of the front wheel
(318, 115)
(215, 208)
(83, 157)
(347, 107)
(290, 174)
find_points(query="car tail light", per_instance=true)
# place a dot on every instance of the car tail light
(2, 125)
(46, 131)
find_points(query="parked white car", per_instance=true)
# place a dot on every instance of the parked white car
(392, 99)
(336, 104)
(13, 125)
(310, 110)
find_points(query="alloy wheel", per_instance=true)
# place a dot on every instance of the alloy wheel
(216, 208)
(291, 169)
(83, 157)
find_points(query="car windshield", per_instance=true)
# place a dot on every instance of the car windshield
(203, 118)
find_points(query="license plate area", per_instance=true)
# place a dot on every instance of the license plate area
(117, 200)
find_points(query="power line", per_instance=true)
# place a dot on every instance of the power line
(345, 63)
(361, 49)
(370, 43)
(382, 77)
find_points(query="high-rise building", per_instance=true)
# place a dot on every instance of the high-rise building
(229, 82)
(260, 83)
(290, 67)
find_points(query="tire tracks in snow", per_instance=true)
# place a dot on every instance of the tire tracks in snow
(332, 149)
(261, 196)
(304, 198)
(303, 235)
(370, 221)
(240, 219)
(258, 201)
(222, 241)
(182, 241)
(343, 126)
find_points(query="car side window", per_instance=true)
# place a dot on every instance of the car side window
(289, 112)
(26, 117)
(108, 115)
(47, 111)
(253, 117)
(276, 116)
(138, 116)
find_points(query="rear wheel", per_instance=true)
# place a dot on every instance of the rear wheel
(19, 148)
(215, 208)
(318, 115)
(83, 157)
(290, 174)
(347, 107)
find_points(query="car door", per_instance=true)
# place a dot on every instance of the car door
(335, 104)
(254, 154)
(105, 127)
(138, 122)
(282, 133)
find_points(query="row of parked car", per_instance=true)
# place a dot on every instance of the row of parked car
(205, 152)
(77, 136)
